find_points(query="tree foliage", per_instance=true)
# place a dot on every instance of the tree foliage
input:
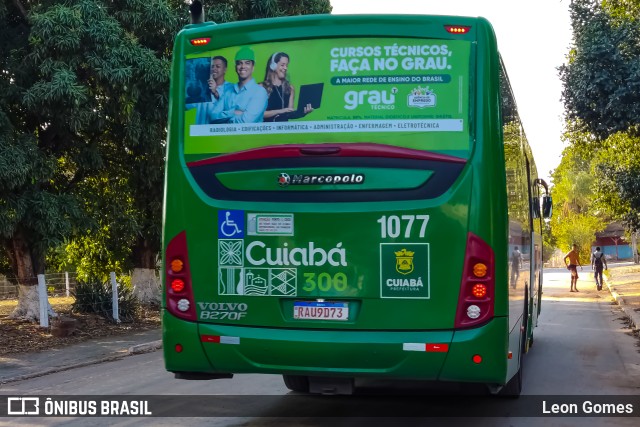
(90, 97)
(602, 77)
(36, 211)
(240, 10)
(578, 229)
(602, 102)
(572, 179)
(623, 10)
(575, 218)
(83, 114)
(617, 167)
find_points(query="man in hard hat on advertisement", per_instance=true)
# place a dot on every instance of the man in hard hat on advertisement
(246, 101)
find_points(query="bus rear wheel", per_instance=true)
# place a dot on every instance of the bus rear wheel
(297, 383)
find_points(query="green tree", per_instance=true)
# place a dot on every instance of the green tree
(241, 10)
(86, 93)
(624, 10)
(83, 110)
(602, 102)
(575, 220)
(126, 198)
(578, 229)
(602, 77)
(617, 168)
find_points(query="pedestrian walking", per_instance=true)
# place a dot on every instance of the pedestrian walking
(516, 264)
(598, 264)
(574, 261)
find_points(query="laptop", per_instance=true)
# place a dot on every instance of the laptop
(309, 94)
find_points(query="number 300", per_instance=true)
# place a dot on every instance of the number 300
(324, 282)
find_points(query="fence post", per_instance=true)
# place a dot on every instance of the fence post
(44, 301)
(66, 282)
(114, 288)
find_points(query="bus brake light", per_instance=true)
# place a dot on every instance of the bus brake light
(178, 291)
(177, 285)
(457, 29)
(477, 292)
(201, 41)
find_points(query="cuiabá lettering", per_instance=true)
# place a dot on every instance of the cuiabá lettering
(258, 253)
(413, 283)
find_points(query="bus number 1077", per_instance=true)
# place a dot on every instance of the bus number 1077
(393, 225)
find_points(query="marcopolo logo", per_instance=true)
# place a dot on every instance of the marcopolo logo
(285, 179)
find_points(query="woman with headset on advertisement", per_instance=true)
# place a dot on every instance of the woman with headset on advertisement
(281, 92)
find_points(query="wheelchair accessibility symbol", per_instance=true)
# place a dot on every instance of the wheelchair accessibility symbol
(230, 224)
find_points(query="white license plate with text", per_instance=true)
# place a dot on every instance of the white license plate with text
(320, 310)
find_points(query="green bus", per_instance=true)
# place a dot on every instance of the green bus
(367, 207)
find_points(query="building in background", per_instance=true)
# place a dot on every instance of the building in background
(613, 243)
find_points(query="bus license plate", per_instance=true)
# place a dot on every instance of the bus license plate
(321, 310)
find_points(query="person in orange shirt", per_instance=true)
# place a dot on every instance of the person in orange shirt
(574, 261)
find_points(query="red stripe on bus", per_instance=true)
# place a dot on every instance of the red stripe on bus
(437, 348)
(210, 338)
(333, 150)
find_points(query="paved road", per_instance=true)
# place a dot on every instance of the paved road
(582, 347)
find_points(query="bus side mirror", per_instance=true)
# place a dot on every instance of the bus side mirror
(535, 207)
(547, 207)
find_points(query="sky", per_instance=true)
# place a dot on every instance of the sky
(533, 38)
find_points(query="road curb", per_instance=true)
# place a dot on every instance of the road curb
(146, 347)
(634, 318)
(57, 369)
(136, 349)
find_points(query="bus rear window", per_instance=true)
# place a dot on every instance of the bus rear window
(405, 92)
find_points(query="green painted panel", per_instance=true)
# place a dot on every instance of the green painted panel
(306, 179)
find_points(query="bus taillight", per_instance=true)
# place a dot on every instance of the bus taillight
(457, 29)
(201, 41)
(179, 294)
(176, 265)
(477, 289)
(177, 285)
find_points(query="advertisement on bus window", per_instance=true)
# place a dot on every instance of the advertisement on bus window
(406, 92)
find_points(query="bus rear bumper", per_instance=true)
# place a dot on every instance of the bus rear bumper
(425, 355)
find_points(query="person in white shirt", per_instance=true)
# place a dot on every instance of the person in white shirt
(598, 264)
